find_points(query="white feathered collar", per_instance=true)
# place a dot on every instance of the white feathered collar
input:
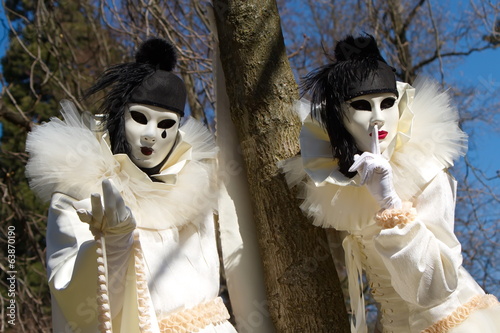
(67, 156)
(428, 141)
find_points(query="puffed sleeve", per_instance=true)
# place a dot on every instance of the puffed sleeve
(72, 268)
(424, 256)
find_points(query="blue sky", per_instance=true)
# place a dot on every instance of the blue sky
(482, 70)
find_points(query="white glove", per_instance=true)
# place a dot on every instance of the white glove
(114, 218)
(376, 174)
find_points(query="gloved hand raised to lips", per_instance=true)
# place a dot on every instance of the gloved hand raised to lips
(376, 174)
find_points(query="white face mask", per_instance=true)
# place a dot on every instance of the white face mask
(151, 132)
(363, 112)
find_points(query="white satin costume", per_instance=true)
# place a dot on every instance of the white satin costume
(162, 277)
(412, 258)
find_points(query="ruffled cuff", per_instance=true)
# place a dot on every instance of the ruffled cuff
(389, 218)
(478, 302)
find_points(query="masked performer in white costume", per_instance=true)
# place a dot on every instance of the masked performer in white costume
(375, 154)
(147, 189)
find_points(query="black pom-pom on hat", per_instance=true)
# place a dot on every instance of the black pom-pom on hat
(363, 47)
(158, 53)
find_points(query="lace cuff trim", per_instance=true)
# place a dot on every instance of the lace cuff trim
(196, 318)
(462, 313)
(389, 218)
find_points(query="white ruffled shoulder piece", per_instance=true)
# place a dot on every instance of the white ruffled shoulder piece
(435, 140)
(428, 141)
(68, 156)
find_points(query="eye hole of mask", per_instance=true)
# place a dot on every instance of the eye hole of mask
(139, 117)
(166, 123)
(361, 105)
(387, 103)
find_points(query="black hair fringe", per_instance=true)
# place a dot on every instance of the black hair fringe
(118, 82)
(326, 108)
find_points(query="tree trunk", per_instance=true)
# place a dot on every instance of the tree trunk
(303, 290)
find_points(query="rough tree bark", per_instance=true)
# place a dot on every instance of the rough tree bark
(303, 290)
